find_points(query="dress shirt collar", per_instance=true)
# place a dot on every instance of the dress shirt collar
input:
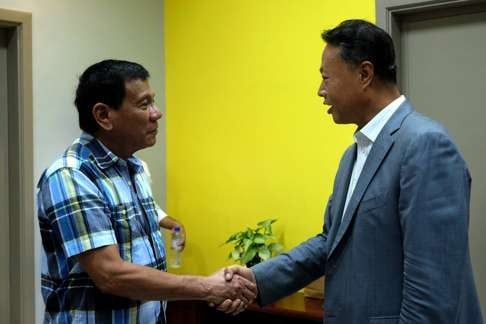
(370, 131)
(106, 158)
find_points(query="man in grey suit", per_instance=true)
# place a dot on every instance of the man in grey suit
(394, 247)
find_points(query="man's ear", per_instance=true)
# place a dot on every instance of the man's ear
(366, 73)
(102, 115)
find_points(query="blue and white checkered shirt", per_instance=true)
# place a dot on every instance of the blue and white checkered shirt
(87, 199)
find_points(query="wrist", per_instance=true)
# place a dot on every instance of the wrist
(205, 289)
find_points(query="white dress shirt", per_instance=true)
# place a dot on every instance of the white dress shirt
(365, 138)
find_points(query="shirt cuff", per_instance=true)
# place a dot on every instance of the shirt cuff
(160, 214)
(89, 242)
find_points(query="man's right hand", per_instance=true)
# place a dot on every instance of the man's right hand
(235, 272)
(238, 290)
(244, 272)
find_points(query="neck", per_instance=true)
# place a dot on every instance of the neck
(116, 146)
(388, 95)
(377, 100)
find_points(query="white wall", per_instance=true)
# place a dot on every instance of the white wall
(70, 35)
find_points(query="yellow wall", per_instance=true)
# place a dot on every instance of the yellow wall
(247, 136)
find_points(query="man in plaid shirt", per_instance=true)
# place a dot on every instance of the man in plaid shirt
(104, 256)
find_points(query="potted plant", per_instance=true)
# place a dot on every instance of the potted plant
(254, 245)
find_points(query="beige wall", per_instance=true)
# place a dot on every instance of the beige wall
(68, 36)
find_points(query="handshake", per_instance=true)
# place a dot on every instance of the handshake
(231, 289)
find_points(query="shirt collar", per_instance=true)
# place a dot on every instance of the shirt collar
(370, 131)
(105, 158)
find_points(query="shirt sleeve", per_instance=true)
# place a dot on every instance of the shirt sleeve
(160, 214)
(77, 211)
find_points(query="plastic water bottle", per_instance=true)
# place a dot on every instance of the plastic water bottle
(176, 245)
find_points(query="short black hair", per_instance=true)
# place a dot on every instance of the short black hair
(104, 82)
(359, 41)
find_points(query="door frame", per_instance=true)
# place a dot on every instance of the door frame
(391, 13)
(21, 166)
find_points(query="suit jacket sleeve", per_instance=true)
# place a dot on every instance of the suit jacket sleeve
(434, 215)
(288, 272)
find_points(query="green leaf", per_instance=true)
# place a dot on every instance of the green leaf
(266, 222)
(235, 254)
(240, 236)
(247, 233)
(264, 253)
(231, 238)
(248, 255)
(247, 243)
(259, 239)
(275, 247)
(252, 243)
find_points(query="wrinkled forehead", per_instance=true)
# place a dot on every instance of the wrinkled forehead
(331, 52)
(330, 55)
(138, 89)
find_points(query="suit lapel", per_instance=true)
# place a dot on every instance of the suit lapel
(344, 176)
(377, 154)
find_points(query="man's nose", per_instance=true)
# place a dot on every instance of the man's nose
(155, 113)
(321, 92)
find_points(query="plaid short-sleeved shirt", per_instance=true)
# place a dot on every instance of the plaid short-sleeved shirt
(87, 199)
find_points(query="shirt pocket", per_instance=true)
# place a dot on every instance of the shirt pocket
(123, 215)
(126, 227)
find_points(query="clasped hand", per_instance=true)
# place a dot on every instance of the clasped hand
(236, 289)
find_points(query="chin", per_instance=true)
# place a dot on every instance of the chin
(151, 142)
(337, 120)
(341, 120)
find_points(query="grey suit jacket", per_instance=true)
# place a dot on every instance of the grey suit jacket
(401, 254)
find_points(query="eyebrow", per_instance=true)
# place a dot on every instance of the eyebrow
(150, 96)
